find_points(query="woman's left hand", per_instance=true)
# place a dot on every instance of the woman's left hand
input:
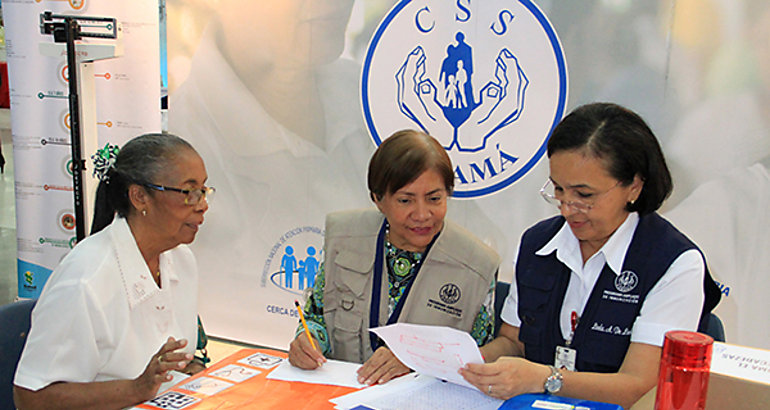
(194, 367)
(507, 377)
(381, 367)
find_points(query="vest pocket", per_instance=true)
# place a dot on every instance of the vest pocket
(346, 334)
(353, 271)
(535, 291)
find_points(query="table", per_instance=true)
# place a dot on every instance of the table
(256, 392)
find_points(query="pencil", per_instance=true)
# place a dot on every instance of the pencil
(304, 324)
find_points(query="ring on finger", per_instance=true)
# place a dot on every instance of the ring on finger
(489, 390)
(160, 359)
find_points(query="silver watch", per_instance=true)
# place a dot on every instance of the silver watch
(554, 381)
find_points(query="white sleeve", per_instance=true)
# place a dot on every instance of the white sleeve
(62, 345)
(510, 313)
(674, 303)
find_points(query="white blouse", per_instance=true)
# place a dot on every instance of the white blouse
(102, 317)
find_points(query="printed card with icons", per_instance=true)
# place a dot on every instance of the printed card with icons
(261, 360)
(205, 385)
(235, 373)
(172, 400)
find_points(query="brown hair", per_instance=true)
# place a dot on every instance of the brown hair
(402, 158)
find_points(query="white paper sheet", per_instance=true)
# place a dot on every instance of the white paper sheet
(415, 391)
(333, 372)
(437, 351)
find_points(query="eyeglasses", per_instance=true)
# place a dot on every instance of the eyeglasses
(192, 196)
(547, 192)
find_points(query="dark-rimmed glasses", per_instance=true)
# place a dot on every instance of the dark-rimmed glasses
(192, 196)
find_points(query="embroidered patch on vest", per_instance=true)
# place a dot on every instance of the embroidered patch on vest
(449, 295)
(626, 281)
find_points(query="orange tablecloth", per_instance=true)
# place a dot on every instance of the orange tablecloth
(258, 392)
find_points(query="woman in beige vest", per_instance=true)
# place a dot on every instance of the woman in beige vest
(401, 262)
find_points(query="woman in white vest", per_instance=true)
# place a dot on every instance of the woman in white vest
(401, 262)
(120, 310)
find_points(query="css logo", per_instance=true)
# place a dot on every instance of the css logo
(486, 79)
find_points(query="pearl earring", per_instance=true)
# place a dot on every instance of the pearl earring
(144, 212)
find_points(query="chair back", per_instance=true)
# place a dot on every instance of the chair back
(14, 327)
(501, 292)
(715, 329)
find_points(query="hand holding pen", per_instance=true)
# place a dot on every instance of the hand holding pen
(303, 350)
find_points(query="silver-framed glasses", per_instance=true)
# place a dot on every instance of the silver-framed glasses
(581, 205)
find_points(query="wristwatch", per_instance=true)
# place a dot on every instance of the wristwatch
(554, 381)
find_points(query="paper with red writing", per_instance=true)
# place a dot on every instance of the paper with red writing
(437, 351)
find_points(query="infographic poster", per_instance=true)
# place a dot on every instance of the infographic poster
(127, 95)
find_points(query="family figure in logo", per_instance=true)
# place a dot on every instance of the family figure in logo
(458, 90)
(120, 311)
(306, 269)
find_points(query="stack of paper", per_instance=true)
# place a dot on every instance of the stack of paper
(415, 391)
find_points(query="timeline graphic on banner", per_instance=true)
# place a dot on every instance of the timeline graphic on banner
(127, 96)
(486, 79)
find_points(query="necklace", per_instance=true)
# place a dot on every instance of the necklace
(402, 266)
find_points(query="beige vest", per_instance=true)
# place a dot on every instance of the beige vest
(448, 291)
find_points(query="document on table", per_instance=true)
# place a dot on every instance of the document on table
(415, 391)
(333, 372)
(437, 351)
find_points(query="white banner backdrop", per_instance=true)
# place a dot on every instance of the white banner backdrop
(128, 103)
(269, 93)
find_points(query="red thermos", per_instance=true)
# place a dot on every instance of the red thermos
(684, 371)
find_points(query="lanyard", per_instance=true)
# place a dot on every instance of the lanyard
(374, 310)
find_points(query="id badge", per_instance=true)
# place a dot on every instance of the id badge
(565, 358)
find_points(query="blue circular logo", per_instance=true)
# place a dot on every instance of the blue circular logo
(488, 80)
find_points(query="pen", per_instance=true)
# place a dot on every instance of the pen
(304, 324)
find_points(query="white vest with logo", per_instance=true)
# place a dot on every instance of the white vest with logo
(448, 291)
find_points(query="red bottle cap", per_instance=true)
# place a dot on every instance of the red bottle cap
(688, 349)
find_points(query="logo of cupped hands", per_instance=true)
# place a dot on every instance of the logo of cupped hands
(474, 76)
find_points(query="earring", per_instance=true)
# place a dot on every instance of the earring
(144, 212)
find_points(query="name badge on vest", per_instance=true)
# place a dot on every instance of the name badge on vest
(565, 358)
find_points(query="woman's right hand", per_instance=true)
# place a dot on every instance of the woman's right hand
(302, 354)
(156, 372)
(506, 377)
